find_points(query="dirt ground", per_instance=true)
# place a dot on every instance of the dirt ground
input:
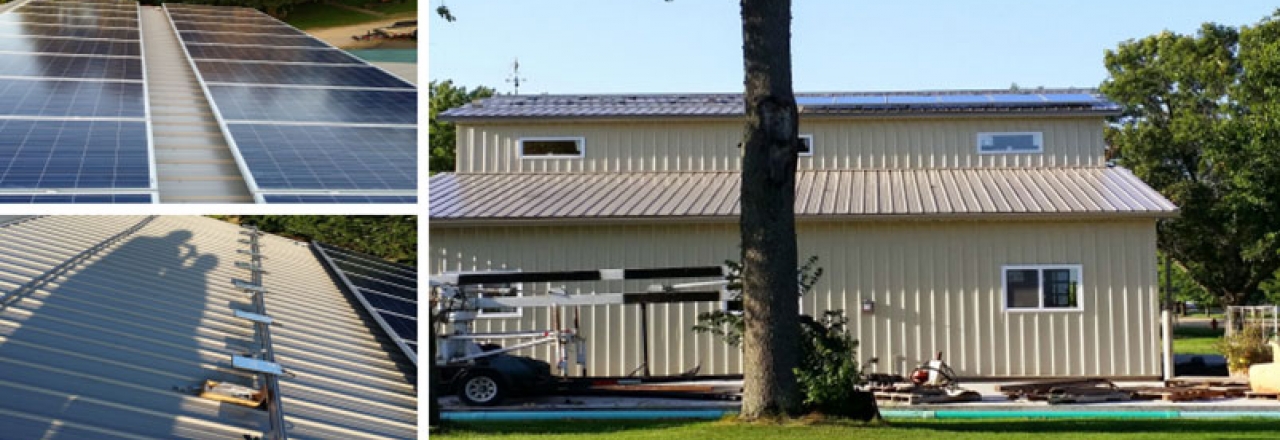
(341, 36)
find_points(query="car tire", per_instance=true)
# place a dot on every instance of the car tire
(482, 388)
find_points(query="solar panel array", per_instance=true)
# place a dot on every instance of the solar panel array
(310, 123)
(1019, 99)
(73, 104)
(388, 291)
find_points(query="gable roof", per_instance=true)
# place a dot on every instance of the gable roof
(845, 194)
(1054, 101)
(104, 319)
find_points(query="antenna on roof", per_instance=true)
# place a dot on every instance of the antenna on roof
(515, 78)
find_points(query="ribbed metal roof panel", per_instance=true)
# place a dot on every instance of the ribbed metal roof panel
(818, 193)
(105, 319)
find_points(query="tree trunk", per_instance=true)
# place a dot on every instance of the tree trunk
(769, 261)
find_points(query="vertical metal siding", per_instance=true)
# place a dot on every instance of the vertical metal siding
(839, 144)
(936, 287)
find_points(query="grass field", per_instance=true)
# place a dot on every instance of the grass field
(1195, 340)
(922, 429)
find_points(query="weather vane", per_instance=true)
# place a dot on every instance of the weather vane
(515, 78)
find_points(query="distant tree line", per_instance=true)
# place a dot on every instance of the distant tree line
(394, 237)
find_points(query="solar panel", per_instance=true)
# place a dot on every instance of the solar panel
(50, 98)
(240, 29)
(277, 40)
(290, 157)
(280, 54)
(294, 198)
(396, 315)
(76, 198)
(69, 46)
(79, 11)
(858, 100)
(912, 99)
(282, 104)
(51, 154)
(66, 31)
(238, 18)
(67, 20)
(52, 66)
(354, 75)
(1019, 98)
(1072, 97)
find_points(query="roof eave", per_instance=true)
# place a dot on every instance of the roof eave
(434, 222)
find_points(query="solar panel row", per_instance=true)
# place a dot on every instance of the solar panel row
(311, 123)
(73, 104)
(945, 99)
(389, 292)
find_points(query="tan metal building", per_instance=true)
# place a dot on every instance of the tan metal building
(982, 224)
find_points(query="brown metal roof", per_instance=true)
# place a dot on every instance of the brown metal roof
(1051, 191)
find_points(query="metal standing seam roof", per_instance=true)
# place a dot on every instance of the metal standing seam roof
(1064, 101)
(839, 193)
(101, 326)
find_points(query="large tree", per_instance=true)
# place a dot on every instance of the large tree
(444, 96)
(771, 143)
(1201, 125)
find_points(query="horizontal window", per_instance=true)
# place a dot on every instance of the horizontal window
(1042, 287)
(551, 148)
(807, 149)
(1010, 143)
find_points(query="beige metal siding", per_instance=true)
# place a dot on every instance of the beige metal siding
(936, 287)
(866, 143)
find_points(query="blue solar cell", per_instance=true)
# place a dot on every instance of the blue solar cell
(1072, 97)
(813, 100)
(67, 31)
(408, 275)
(73, 154)
(859, 100)
(19, 97)
(242, 103)
(407, 329)
(68, 20)
(200, 51)
(913, 99)
(30, 44)
(284, 157)
(77, 198)
(239, 16)
(964, 99)
(1018, 98)
(223, 26)
(281, 41)
(53, 66)
(80, 10)
(269, 73)
(291, 198)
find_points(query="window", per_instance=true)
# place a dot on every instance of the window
(1049, 287)
(807, 149)
(495, 291)
(551, 148)
(1010, 143)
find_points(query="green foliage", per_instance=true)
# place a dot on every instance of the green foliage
(394, 237)
(444, 96)
(1199, 125)
(828, 371)
(1184, 287)
(1245, 347)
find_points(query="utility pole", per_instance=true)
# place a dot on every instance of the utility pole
(515, 78)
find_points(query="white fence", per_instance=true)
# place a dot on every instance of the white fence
(1267, 317)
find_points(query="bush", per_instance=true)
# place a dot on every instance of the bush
(1244, 348)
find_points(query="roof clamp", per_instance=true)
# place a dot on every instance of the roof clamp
(254, 317)
(252, 267)
(248, 252)
(256, 365)
(249, 287)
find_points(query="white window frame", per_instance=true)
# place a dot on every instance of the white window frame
(1040, 268)
(481, 314)
(581, 141)
(1038, 135)
(809, 137)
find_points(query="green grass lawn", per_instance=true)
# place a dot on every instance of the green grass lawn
(1195, 340)
(921, 429)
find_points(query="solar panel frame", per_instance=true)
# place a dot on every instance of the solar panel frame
(74, 154)
(243, 103)
(188, 26)
(401, 328)
(274, 54)
(72, 67)
(24, 17)
(269, 73)
(71, 99)
(305, 158)
(250, 40)
(282, 198)
(113, 198)
(78, 12)
(68, 31)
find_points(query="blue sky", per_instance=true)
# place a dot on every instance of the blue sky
(652, 46)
